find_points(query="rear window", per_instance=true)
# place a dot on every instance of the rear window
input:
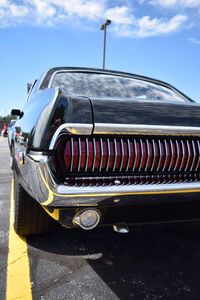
(112, 86)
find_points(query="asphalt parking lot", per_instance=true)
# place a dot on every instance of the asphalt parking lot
(151, 262)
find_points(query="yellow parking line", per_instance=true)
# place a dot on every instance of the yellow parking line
(18, 272)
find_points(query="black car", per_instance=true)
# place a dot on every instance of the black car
(98, 147)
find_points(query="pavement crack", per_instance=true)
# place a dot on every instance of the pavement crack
(3, 268)
(14, 261)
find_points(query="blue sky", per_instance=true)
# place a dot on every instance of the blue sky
(156, 38)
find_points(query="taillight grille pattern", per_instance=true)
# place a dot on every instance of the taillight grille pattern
(126, 155)
(130, 180)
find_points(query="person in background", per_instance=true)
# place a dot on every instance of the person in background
(5, 129)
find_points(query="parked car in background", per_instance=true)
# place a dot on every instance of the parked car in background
(96, 147)
(12, 122)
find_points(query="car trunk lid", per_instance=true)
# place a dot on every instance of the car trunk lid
(117, 113)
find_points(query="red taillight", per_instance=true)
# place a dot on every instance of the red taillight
(82, 154)
(67, 154)
(116, 154)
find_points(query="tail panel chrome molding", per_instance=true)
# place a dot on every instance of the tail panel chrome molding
(71, 128)
(104, 128)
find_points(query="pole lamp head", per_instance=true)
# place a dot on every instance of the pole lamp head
(106, 23)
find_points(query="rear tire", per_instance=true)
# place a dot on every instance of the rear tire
(29, 216)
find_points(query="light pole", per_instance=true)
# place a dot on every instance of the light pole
(103, 27)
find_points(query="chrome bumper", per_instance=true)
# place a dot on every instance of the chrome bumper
(51, 194)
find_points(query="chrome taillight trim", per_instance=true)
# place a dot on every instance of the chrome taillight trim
(160, 154)
(72, 154)
(154, 155)
(87, 155)
(198, 162)
(194, 156)
(101, 160)
(129, 155)
(79, 159)
(107, 128)
(115, 148)
(148, 155)
(164, 165)
(189, 153)
(71, 128)
(94, 160)
(122, 151)
(177, 155)
(136, 154)
(172, 153)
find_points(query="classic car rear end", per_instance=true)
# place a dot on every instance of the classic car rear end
(105, 148)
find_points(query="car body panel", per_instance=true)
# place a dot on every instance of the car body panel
(45, 112)
(146, 112)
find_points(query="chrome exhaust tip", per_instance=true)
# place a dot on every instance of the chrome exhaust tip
(121, 228)
(87, 218)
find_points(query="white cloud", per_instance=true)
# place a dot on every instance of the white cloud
(152, 27)
(89, 9)
(195, 41)
(18, 11)
(119, 15)
(147, 27)
(44, 9)
(3, 3)
(176, 3)
(58, 12)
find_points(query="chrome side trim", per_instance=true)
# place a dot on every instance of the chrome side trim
(71, 128)
(38, 157)
(107, 128)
